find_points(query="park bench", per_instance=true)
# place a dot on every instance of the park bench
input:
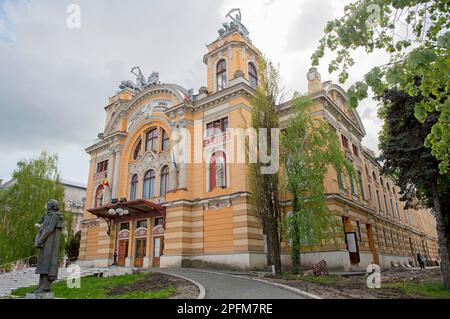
(321, 268)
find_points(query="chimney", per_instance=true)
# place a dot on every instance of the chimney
(314, 81)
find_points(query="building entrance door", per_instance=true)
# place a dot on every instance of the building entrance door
(158, 248)
(141, 246)
(123, 252)
(372, 247)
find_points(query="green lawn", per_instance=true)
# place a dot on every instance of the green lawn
(99, 288)
(429, 290)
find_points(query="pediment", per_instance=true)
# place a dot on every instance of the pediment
(339, 97)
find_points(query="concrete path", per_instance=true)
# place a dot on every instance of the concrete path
(228, 286)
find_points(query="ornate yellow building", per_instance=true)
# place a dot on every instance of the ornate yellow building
(146, 209)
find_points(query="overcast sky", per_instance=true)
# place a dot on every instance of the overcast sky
(55, 81)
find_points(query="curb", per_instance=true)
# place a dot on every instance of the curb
(202, 293)
(285, 287)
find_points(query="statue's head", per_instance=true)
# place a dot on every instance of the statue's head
(53, 205)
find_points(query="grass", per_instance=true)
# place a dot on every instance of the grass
(317, 280)
(435, 290)
(98, 288)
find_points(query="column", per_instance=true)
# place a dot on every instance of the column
(110, 173)
(148, 249)
(115, 180)
(130, 259)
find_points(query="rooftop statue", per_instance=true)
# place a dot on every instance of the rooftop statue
(141, 82)
(153, 79)
(235, 24)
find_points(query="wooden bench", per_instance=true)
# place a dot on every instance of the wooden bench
(321, 268)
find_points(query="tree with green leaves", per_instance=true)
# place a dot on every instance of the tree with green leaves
(416, 170)
(22, 206)
(416, 35)
(264, 188)
(310, 147)
(72, 248)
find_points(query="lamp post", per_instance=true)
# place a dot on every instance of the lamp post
(117, 212)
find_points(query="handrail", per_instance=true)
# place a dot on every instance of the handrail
(4, 267)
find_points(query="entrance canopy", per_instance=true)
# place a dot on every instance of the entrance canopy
(136, 209)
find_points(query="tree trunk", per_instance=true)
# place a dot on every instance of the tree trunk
(274, 248)
(268, 244)
(440, 227)
(295, 249)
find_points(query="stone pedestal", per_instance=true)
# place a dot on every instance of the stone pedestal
(43, 295)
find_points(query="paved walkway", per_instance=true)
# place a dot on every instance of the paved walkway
(217, 285)
(227, 286)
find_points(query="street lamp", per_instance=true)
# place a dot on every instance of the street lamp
(117, 212)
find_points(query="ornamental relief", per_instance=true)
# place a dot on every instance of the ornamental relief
(149, 160)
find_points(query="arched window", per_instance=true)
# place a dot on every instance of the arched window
(151, 140)
(374, 176)
(221, 75)
(252, 75)
(137, 150)
(133, 187)
(165, 141)
(149, 184)
(218, 171)
(99, 197)
(164, 186)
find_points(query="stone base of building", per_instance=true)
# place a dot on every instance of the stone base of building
(386, 261)
(243, 261)
(100, 263)
(341, 260)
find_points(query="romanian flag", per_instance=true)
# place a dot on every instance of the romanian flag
(106, 182)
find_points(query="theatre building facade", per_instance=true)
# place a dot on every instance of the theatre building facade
(146, 209)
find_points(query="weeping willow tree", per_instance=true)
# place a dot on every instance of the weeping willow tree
(22, 206)
(309, 148)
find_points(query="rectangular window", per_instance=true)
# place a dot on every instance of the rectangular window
(159, 221)
(344, 141)
(386, 205)
(124, 226)
(339, 179)
(355, 150)
(165, 141)
(141, 224)
(379, 200)
(151, 141)
(359, 231)
(216, 127)
(102, 166)
(392, 209)
(354, 187)
(398, 211)
(360, 179)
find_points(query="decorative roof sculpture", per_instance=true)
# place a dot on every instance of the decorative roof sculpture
(235, 25)
(141, 82)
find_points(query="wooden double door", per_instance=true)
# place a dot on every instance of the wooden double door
(140, 252)
(158, 248)
(123, 252)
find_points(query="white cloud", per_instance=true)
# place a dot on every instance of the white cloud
(56, 81)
